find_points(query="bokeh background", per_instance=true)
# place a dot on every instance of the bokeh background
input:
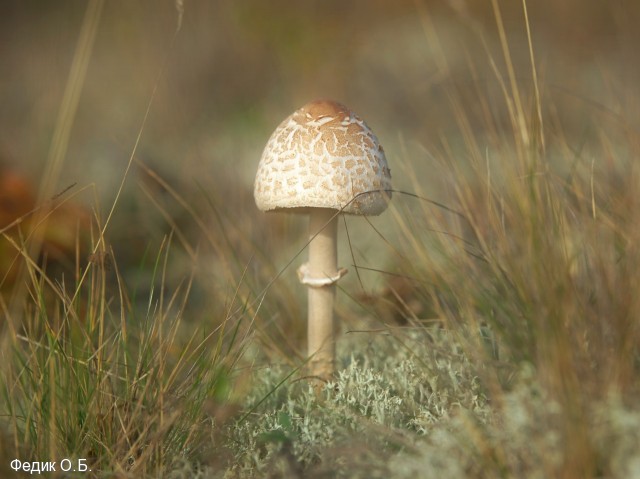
(165, 277)
(233, 70)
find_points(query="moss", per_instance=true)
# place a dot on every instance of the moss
(416, 407)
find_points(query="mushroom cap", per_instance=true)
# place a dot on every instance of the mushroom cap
(323, 156)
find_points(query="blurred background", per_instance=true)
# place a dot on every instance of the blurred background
(233, 70)
(180, 294)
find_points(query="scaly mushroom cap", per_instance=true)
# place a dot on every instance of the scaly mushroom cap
(323, 156)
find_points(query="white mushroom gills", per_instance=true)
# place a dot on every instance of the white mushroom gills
(321, 160)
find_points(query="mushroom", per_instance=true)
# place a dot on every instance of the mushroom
(322, 160)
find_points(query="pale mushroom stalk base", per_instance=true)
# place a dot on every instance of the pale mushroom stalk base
(323, 265)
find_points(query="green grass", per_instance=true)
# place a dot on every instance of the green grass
(89, 376)
(504, 341)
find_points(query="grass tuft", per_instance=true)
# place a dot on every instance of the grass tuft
(92, 377)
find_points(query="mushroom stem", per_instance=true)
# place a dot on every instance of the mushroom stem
(323, 263)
